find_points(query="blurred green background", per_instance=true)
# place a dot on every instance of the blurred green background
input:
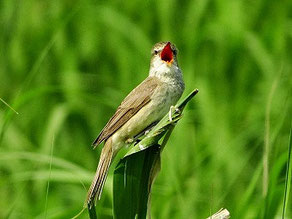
(66, 65)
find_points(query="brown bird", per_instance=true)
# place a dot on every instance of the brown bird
(145, 105)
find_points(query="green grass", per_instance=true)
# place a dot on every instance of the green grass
(65, 67)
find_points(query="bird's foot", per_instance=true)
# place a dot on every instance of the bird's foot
(171, 110)
(137, 138)
(129, 141)
(147, 131)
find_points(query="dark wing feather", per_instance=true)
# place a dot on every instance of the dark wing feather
(138, 98)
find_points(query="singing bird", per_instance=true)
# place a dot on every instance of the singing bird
(144, 105)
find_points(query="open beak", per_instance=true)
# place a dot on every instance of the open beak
(167, 54)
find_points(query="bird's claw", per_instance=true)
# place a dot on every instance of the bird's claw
(147, 131)
(172, 108)
(129, 141)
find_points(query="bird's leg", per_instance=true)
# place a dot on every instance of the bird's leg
(170, 113)
(137, 139)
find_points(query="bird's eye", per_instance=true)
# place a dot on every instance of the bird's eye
(174, 52)
(155, 52)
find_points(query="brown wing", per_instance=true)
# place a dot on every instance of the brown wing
(138, 98)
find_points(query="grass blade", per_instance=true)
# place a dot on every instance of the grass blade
(10, 107)
(48, 185)
(288, 177)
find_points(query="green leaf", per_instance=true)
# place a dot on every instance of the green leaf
(132, 183)
(288, 177)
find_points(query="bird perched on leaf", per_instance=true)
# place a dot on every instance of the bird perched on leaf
(144, 105)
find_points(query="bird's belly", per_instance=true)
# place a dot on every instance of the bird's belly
(158, 106)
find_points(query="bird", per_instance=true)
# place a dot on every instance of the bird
(145, 105)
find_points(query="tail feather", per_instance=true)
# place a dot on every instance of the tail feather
(97, 184)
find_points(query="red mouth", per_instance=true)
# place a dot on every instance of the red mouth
(166, 54)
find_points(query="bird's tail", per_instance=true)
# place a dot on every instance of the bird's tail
(97, 184)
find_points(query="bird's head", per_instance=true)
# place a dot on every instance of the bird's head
(164, 53)
(163, 57)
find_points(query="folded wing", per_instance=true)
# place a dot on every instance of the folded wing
(136, 100)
